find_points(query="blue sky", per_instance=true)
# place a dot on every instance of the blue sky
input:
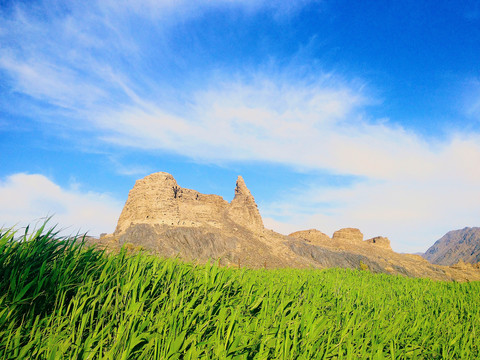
(337, 113)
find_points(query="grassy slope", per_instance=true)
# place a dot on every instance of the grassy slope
(60, 301)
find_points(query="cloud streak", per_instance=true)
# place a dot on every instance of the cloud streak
(315, 127)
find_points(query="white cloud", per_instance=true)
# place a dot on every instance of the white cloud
(59, 86)
(413, 214)
(26, 198)
(317, 126)
(262, 119)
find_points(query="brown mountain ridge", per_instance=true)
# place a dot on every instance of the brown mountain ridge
(457, 245)
(164, 218)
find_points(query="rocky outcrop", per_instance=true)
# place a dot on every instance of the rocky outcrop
(348, 238)
(157, 199)
(456, 245)
(243, 208)
(380, 241)
(348, 234)
(313, 235)
(169, 220)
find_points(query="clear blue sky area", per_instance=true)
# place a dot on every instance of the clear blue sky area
(337, 113)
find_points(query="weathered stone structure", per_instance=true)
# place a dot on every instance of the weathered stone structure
(158, 200)
(380, 241)
(313, 235)
(348, 234)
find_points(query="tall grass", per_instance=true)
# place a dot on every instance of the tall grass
(61, 300)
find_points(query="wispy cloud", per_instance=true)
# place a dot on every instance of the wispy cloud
(26, 198)
(413, 213)
(262, 119)
(185, 8)
(318, 126)
(129, 169)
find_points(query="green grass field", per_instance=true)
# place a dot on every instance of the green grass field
(59, 300)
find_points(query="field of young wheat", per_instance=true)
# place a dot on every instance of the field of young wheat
(61, 300)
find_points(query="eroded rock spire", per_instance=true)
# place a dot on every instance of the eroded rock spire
(158, 199)
(243, 208)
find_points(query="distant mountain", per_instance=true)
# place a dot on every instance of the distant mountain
(456, 245)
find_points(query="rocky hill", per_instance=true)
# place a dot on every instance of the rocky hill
(457, 245)
(169, 220)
